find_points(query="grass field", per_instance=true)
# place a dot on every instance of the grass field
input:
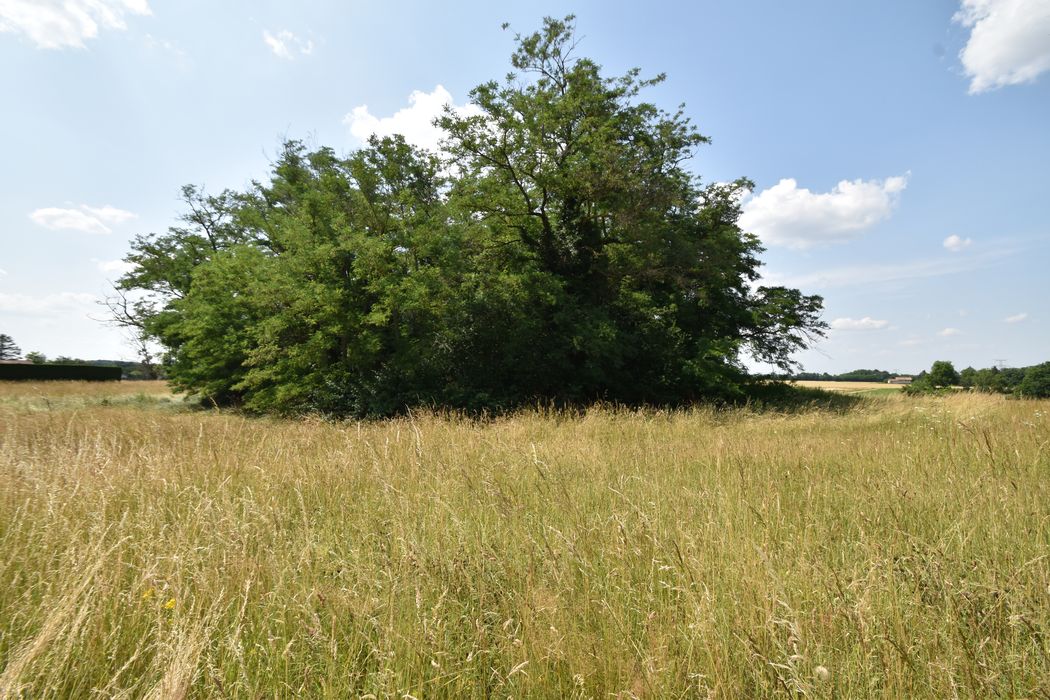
(868, 388)
(899, 549)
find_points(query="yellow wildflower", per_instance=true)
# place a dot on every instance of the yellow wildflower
(148, 593)
(170, 605)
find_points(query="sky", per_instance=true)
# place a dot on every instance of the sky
(899, 149)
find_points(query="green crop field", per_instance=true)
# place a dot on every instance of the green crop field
(897, 549)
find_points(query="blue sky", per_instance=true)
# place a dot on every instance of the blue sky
(899, 149)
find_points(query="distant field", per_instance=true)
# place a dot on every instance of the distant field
(901, 549)
(850, 387)
(84, 390)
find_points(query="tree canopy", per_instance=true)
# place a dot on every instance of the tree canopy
(555, 249)
(942, 373)
(1036, 382)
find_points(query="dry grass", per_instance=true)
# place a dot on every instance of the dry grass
(848, 387)
(903, 547)
(47, 396)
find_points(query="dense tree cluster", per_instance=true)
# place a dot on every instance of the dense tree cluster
(556, 249)
(1036, 382)
(1025, 382)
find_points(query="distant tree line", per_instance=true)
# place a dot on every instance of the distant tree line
(1030, 382)
(130, 370)
(9, 350)
(857, 375)
(51, 372)
(1033, 381)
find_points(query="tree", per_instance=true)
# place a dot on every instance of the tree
(8, 349)
(1036, 382)
(1011, 378)
(988, 379)
(37, 358)
(968, 377)
(561, 252)
(943, 374)
(649, 272)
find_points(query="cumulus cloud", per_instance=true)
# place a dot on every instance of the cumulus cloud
(284, 44)
(114, 267)
(948, 332)
(415, 122)
(795, 217)
(956, 243)
(1008, 42)
(58, 24)
(884, 273)
(859, 324)
(1016, 318)
(87, 219)
(49, 304)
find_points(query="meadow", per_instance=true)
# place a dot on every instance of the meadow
(895, 549)
(874, 388)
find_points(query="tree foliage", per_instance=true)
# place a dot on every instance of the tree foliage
(557, 249)
(942, 374)
(8, 349)
(37, 358)
(941, 378)
(1036, 382)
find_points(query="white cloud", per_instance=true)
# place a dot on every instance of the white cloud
(415, 122)
(57, 24)
(1016, 318)
(1009, 41)
(48, 305)
(948, 332)
(87, 219)
(284, 44)
(793, 216)
(956, 243)
(881, 273)
(109, 214)
(114, 267)
(859, 324)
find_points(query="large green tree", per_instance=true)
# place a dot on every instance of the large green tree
(651, 275)
(556, 249)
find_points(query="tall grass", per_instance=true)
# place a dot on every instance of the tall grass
(899, 550)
